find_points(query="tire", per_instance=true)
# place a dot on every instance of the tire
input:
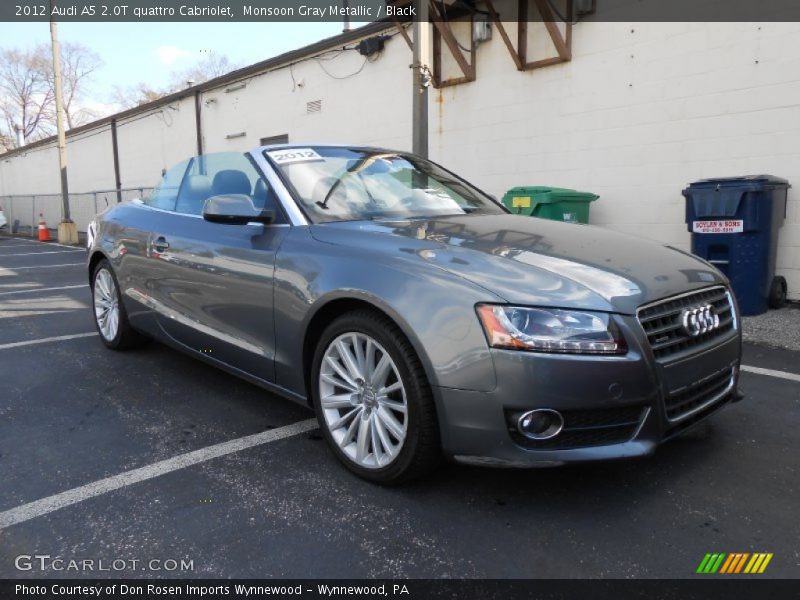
(778, 292)
(110, 317)
(365, 400)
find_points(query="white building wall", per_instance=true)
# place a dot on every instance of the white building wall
(33, 172)
(153, 141)
(362, 102)
(641, 110)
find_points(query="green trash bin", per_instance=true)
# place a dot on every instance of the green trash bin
(558, 204)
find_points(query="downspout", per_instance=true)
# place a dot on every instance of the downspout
(115, 151)
(198, 123)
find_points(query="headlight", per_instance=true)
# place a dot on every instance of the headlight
(550, 330)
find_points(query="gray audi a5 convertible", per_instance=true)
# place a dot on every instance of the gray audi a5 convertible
(417, 316)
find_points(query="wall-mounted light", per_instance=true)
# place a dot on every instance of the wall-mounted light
(481, 28)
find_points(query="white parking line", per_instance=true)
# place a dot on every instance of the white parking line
(59, 338)
(30, 241)
(771, 373)
(43, 266)
(29, 511)
(50, 289)
(38, 253)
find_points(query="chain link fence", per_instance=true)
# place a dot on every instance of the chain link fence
(22, 211)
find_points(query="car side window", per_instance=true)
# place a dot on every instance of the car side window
(165, 194)
(219, 174)
(185, 187)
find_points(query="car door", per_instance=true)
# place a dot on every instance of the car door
(213, 289)
(137, 265)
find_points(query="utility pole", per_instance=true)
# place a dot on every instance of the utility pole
(421, 79)
(346, 23)
(67, 230)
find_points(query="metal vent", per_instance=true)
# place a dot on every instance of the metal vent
(314, 106)
(236, 87)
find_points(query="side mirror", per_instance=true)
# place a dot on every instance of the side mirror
(235, 209)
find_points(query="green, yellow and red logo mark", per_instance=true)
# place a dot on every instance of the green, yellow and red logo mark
(737, 562)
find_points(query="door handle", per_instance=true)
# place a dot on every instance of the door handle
(160, 244)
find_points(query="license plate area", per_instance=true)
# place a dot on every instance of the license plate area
(682, 374)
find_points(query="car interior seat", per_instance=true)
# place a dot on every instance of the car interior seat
(231, 181)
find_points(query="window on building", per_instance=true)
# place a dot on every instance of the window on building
(275, 139)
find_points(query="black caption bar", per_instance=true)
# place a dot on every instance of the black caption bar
(415, 589)
(403, 10)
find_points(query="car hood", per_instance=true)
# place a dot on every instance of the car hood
(532, 261)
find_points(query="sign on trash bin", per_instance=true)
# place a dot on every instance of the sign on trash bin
(725, 226)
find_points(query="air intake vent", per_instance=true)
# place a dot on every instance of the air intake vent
(314, 106)
(700, 395)
(584, 428)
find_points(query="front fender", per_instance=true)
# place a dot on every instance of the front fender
(435, 309)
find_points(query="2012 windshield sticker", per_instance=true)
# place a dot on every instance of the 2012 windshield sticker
(294, 155)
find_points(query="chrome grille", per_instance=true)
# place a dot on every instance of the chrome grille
(662, 322)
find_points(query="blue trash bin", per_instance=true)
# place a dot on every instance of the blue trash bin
(734, 223)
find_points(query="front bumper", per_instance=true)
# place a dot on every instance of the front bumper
(614, 407)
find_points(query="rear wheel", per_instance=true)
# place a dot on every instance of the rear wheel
(110, 317)
(373, 401)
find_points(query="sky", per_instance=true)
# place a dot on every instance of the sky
(135, 52)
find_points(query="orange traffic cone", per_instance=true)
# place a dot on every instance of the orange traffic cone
(44, 233)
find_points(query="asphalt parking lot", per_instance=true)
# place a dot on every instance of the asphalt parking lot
(88, 470)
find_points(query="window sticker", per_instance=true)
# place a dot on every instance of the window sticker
(729, 226)
(521, 202)
(294, 155)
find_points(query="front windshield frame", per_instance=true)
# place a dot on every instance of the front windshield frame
(416, 161)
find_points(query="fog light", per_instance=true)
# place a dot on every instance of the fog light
(540, 424)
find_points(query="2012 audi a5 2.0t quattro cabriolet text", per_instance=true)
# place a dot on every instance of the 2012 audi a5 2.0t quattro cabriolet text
(414, 313)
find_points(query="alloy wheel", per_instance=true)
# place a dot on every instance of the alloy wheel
(106, 305)
(363, 400)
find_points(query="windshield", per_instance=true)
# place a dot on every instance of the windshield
(347, 184)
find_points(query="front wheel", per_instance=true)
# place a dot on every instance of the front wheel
(373, 401)
(110, 317)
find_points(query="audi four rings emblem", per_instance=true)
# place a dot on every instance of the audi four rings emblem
(700, 320)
